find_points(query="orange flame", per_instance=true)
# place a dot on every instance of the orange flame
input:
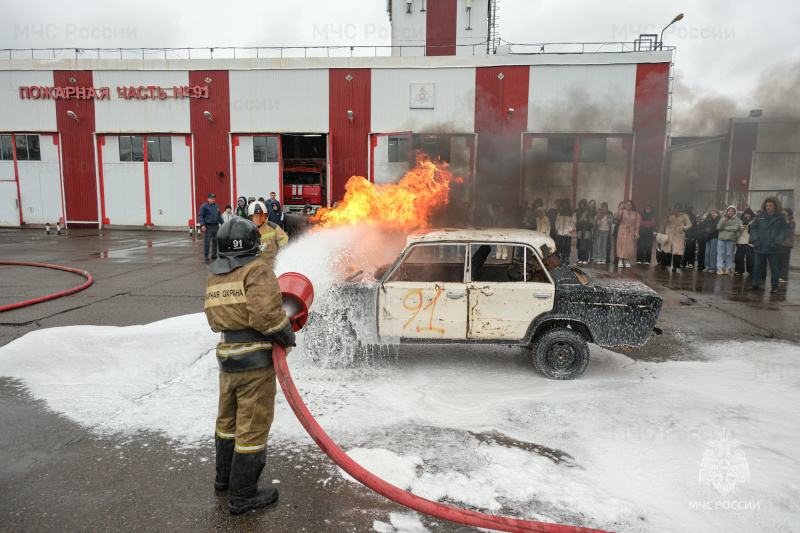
(409, 203)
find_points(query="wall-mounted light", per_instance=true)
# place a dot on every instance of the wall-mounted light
(408, 6)
(73, 116)
(510, 112)
(351, 115)
(208, 116)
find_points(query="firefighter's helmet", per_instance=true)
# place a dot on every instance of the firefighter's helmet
(238, 237)
(239, 242)
(256, 208)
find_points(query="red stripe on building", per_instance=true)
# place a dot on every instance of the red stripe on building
(148, 219)
(16, 179)
(649, 126)
(56, 142)
(742, 147)
(211, 155)
(234, 144)
(440, 27)
(188, 141)
(101, 141)
(349, 140)
(80, 184)
(499, 137)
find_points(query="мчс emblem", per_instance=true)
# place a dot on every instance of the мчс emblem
(723, 465)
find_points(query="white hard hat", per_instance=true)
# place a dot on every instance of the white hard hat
(256, 208)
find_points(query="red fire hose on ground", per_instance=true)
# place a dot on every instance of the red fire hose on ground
(49, 296)
(412, 501)
(298, 293)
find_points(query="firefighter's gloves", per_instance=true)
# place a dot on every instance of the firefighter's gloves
(285, 337)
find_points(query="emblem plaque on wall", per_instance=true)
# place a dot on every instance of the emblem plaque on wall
(422, 95)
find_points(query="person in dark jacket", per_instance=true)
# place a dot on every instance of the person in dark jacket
(690, 252)
(582, 204)
(528, 220)
(209, 219)
(612, 241)
(241, 207)
(585, 228)
(786, 247)
(745, 257)
(552, 214)
(276, 214)
(711, 233)
(273, 199)
(644, 246)
(767, 233)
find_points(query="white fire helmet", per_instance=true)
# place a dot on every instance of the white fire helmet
(256, 208)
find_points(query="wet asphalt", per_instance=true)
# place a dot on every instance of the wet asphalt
(56, 475)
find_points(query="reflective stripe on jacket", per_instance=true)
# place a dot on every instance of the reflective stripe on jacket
(246, 298)
(272, 239)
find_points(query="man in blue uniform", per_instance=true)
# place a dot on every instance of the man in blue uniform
(210, 218)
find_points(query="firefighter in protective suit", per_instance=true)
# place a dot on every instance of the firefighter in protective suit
(272, 236)
(243, 303)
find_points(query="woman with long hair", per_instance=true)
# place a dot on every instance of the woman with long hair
(628, 232)
(675, 228)
(644, 246)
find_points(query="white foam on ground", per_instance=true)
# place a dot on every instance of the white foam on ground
(636, 432)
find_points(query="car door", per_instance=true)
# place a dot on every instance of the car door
(425, 296)
(506, 295)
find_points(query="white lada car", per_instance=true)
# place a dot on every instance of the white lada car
(450, 286)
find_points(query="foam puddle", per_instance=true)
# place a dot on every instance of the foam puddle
(468, 425)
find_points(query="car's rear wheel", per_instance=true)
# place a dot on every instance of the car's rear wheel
(561, 353)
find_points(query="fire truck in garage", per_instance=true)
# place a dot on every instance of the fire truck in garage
(304, 173)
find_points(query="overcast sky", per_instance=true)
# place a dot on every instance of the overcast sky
(722, 46)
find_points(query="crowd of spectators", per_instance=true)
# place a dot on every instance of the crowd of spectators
(725, 243)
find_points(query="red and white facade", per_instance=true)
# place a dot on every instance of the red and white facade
(356, 107)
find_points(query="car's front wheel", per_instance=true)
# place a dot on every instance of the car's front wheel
(561, 353)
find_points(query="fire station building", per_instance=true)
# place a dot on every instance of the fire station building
(141, 141)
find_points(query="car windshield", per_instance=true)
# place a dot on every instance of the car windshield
(431, 263)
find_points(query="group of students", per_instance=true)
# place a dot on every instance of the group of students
(719, 243)
(274, 209)
(626, 233)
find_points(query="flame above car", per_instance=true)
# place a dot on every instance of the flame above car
(410, 203)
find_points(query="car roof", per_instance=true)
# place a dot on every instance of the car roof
(500, 235)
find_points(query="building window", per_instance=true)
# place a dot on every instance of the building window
(592, 150)
(265, 149)
(398, 148)
(6, 148)
(159, 149)
(131, 148)
(26, 147)
(560, 149)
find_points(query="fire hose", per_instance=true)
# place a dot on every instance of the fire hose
(49, 296)
(396, 494)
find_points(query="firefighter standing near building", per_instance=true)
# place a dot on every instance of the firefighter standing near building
(243, 303)
(272, 236)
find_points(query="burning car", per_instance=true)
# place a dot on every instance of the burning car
(451, 286)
